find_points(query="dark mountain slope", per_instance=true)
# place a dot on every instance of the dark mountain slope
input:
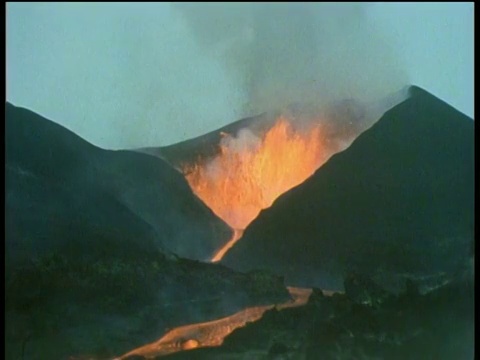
(399, 200)
(57, 161)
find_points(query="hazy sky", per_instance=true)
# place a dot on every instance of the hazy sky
(131, 75)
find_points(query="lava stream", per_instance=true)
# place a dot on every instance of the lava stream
(237, 234)
(212, 333)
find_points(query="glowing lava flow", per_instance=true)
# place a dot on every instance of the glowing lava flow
(213, 333)
(237, 234)
(249, 172)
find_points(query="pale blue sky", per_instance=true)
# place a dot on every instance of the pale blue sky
(134, 75)
(437, 44)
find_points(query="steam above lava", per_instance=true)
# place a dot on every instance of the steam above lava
(284, 53)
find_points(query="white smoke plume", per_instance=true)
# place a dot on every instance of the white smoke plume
(290, 53)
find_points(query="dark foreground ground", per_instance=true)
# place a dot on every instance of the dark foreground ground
(364, 323)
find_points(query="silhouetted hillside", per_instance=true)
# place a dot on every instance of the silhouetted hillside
(399, 200)
(64, 175)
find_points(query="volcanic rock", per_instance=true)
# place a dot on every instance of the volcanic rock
(362, 290)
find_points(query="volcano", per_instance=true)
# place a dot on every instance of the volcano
(399, 200)
(93, 236)
(240, 169)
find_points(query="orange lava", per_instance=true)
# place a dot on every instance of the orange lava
(212, 333)
(237, 234)
(250, 172)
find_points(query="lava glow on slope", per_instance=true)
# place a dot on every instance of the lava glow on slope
(250, 172)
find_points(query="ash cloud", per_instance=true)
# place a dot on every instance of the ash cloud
(311, 54)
